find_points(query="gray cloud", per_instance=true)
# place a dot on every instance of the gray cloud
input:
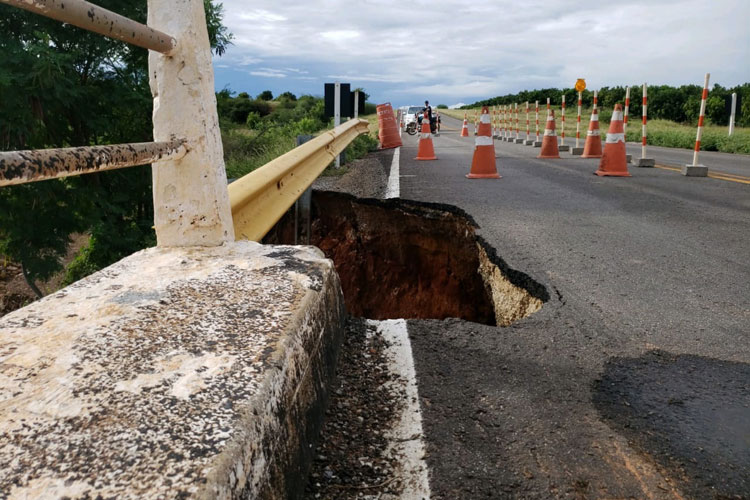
(454, 49)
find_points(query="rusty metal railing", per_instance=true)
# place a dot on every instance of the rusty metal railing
(19, 167)
(93, 18)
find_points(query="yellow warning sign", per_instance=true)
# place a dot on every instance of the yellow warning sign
(580, 85)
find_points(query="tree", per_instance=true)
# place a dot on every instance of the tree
(266, 95)
(286, 96)
(63, 86)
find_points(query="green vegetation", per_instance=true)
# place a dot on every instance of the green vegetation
(672, 121)
(255, 132)
(62, 86)
(677, 104)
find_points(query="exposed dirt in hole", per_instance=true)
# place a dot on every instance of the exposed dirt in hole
(406, 259)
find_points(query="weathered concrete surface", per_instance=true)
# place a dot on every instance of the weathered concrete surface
(191, 201)
(177, 372)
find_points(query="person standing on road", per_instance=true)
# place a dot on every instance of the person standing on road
(427, 111)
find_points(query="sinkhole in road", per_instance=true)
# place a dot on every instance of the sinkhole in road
(406, 259)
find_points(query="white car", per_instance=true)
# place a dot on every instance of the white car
(410, 114)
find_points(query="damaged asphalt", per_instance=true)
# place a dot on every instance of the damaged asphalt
(632, 381)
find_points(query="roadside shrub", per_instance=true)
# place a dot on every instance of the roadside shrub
(360, 146)
(253, 119)
(239, 109)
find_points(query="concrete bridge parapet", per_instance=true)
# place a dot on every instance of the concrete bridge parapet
(177, 372)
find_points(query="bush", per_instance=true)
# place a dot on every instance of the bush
(360, 146)
(239, 109)
(286, 95)
(253, 119)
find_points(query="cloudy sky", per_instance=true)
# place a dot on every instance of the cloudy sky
(459, 51)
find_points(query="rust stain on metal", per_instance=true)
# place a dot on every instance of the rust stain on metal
(18, 167)
(93, 18)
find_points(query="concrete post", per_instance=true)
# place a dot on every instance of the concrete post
(356, 104)
(732, 112)
(191, 201)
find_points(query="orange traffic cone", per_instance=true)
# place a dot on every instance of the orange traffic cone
(549, 142)
(593, 146)
(613, 160)
(388, 132)
(425, 151)
(465, 128)
(483, 163)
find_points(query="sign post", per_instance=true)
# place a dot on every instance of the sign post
(580, 86)
(337, 114)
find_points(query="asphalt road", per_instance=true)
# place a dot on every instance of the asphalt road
(633, 381)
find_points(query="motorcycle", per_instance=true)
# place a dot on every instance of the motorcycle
(411, 128)
(415, 126)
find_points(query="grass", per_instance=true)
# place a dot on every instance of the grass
(660, 132)
(242, 157)
(239, 161)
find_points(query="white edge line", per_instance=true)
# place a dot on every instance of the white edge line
(394, 188)
(406, 437)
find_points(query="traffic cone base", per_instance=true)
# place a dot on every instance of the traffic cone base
(613, 161)
(483, 164)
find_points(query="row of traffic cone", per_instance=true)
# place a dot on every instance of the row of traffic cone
(613, 161)
(613, 158)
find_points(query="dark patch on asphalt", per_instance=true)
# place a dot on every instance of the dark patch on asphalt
(690, 413)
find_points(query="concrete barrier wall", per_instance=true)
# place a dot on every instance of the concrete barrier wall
(177, 372)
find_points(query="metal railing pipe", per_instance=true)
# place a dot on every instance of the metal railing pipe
(93, 18)
(19, 167)
(263, 196)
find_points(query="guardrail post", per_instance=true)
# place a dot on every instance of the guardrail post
(191, 201)
(302, 208)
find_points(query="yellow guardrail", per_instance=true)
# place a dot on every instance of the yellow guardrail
(261, 198)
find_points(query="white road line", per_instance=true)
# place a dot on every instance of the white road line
(406, 438)
(394, 188)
